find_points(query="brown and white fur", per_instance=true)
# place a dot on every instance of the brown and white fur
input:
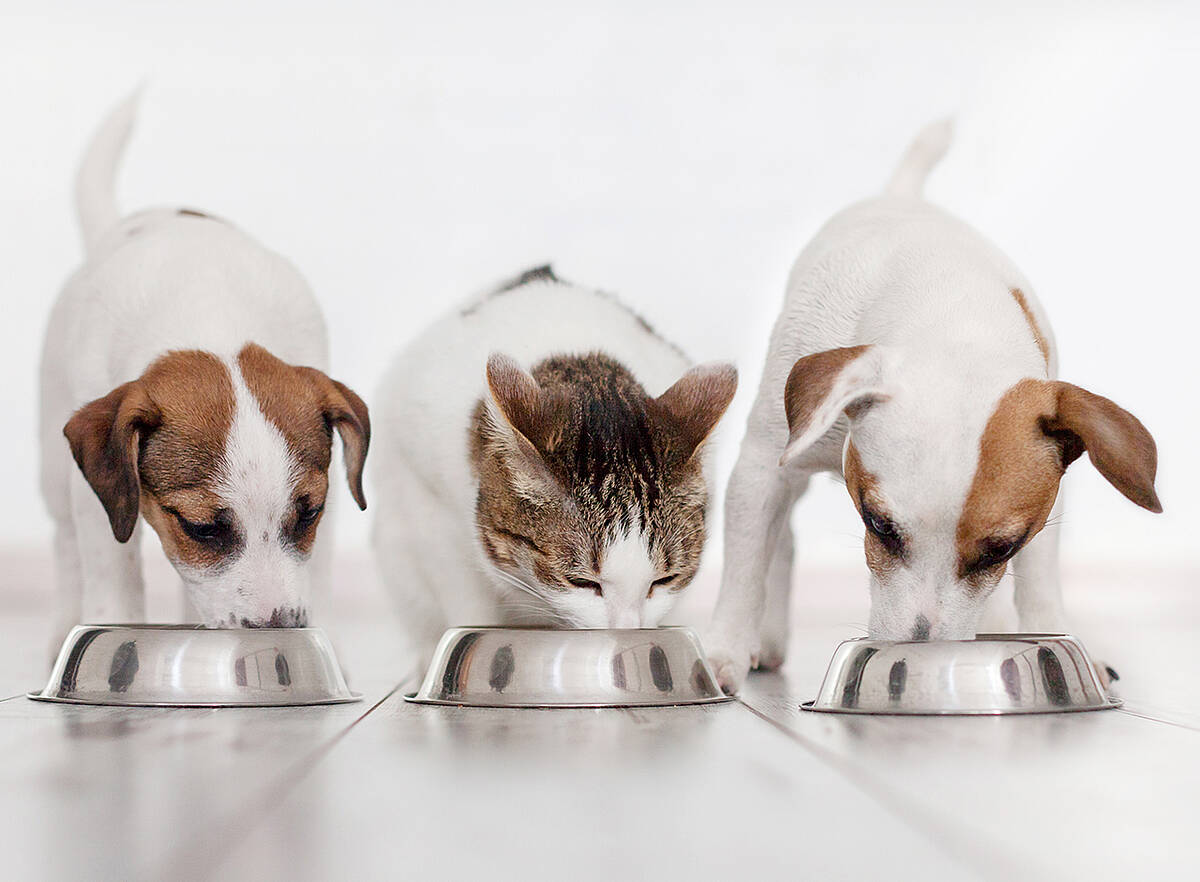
(912, 358)
(560, 483)
(169, 364)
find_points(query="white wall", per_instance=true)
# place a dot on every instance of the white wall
(405, 154)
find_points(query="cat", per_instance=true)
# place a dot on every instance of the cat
(524, 474)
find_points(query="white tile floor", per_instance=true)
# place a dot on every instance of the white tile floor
(757, 789)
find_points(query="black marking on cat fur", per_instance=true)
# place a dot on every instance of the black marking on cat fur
(545, 273)
(608, 456)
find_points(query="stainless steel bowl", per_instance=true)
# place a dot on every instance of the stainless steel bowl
(538, 667)
(190, 666)
(992, 674)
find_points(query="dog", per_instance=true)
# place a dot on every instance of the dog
(913, 359)
(184, 363)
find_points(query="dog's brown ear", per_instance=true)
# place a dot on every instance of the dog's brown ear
(104, 436)
(823, 386)
(696, 402)
(346, 412)
(1118, 444)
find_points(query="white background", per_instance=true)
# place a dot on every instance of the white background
(680, 154)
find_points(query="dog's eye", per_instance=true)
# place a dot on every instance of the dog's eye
(308, 515)
(590, 584)
(216, 533)
(884, 530)
(996, 552)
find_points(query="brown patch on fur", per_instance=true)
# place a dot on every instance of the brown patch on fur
(810, 381)
(1016, 480)
(305, 405)
(1038, 429)
(863, 485)
(586, 455)
(163, 432)
(1038, 337)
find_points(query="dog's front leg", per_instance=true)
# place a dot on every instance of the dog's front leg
(756, 506)
(1037, 590)
(112, 587)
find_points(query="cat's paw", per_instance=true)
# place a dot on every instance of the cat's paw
(731, 659)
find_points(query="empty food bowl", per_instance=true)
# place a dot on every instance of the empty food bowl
(191, 666)
(541, 667)
(992, 674)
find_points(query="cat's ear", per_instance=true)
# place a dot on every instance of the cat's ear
(534, 419)
(535, 415)
(697, 401)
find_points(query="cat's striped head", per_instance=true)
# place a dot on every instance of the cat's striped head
(592, 495)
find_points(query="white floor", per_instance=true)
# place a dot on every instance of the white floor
(755, 789)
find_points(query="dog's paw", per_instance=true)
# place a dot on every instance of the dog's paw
(731, 660)
(1108, 675)
(771, 654)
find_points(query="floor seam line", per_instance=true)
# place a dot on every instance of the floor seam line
(282, 784)
(1159, 720)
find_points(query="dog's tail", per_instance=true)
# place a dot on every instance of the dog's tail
(95, 199)
(923, 154)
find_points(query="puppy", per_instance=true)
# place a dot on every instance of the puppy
(547, 485)
(171, 360)
(913, 359)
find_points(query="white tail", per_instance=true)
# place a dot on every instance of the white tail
(923, 154)
(95, 199)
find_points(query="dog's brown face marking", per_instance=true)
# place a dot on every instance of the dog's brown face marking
(1038, 337)
(306, 406)
(884, 552)
(1015, 484)
(158, 438)
(156, 445)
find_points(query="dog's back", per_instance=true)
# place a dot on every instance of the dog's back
(897, 265)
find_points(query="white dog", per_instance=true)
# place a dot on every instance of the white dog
(912, 358)
(169, 360)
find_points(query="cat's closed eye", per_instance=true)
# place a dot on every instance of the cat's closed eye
(590, 584)
(662, 583)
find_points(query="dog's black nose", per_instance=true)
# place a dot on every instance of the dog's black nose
(294, 617)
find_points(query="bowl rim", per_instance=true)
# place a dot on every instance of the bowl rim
(1111, 703)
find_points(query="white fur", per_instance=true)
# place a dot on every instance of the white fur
(424, 492)
(934, 297)
(154, 282)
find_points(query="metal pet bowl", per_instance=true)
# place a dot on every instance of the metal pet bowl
(536, 667)
(191, 666)
(992, 674)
